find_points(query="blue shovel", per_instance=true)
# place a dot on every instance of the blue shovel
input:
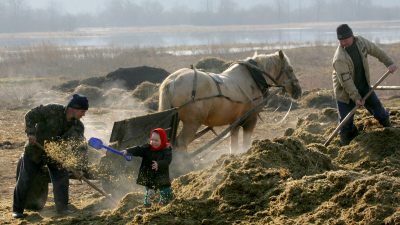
(98, 144)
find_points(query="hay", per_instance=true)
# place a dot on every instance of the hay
(318, 98)
(212, 64)
(152, 102)
(289, 180)
(94, 94)
(376, 152)
(280, 102)
(145, 90)
(315, 127)
(70, 154)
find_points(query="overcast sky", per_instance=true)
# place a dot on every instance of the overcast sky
(70, 6)
(93, 6)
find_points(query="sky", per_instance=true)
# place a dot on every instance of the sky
(93, 6)
(71, 6)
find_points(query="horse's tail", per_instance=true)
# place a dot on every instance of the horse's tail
(165, 97)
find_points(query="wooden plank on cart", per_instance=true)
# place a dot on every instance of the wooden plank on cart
(136, 131)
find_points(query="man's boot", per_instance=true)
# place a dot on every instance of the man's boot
(386, 123)
(345, 139)
(347, 136)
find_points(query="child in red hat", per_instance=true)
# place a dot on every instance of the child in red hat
(154, 169)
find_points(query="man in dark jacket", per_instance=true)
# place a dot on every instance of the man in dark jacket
(351, 79)
(47, 123)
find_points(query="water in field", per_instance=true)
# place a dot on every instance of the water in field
(284, 35)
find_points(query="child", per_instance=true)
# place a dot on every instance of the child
(154, 169)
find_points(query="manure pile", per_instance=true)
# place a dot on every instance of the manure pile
(289, 180)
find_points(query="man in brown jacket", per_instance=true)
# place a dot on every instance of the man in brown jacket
(351, 79)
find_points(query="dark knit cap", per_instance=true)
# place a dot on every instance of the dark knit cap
(78, 102)
(343, 31)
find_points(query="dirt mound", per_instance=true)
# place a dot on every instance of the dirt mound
(125, 78)
(136, 75)
(69, 86)
(318, 98)
(375, 152)
(334, 197)
(212, 64)
(94, 94)
(145, 90)
(315, 127)
(152, 102)
(280, 182)
(281, 102)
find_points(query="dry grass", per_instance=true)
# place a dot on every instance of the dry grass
(312, 64)
(70, 154)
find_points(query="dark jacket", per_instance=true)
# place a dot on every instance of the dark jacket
(147, 176)
(49, 122)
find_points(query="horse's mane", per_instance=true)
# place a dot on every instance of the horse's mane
(269, 60)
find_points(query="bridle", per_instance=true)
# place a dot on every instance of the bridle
(254, 65)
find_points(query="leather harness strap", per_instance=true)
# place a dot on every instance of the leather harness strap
(194, 82)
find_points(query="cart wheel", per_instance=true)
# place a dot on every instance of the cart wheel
(37, 194)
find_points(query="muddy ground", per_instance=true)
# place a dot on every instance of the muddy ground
(286, 177)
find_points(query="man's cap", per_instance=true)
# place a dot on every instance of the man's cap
(343, 31)
(78, 102)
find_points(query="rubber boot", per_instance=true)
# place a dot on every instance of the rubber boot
(166, 196)
(348, 136)
(386, 123)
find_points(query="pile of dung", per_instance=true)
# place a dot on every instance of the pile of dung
(334, 197)
(235, 188)
(318, 98)
(373, 152)
(134, 76)
(125, 78)
(212, 65)
(69, 86)
(94, 94)
(70, 154)
(282, 181)
(145, 90)
(152, 101)
(315, 127)
(280, 102)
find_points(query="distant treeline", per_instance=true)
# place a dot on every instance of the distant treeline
(15, 16)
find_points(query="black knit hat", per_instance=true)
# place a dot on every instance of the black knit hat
(343, 31)
(78, 102)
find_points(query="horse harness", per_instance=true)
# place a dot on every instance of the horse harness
(217, 83)
(256, 74)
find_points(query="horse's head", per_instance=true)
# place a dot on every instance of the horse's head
(278, 66)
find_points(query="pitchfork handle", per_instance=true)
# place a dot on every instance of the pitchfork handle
(351, 113)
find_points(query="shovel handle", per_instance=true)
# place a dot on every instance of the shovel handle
(127, 157)
(351, 113)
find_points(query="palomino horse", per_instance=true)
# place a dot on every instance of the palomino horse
(220, 99)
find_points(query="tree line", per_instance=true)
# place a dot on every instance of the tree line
(16, 16)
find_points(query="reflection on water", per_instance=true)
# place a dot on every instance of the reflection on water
(278, 35)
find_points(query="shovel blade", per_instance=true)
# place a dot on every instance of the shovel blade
(95, 143)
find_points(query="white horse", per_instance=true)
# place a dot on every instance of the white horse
(220, 99)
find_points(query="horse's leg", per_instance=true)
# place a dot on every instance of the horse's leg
(248, 128)
(234, 140)
(187, 135)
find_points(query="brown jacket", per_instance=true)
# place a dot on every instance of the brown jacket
(343, 68)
